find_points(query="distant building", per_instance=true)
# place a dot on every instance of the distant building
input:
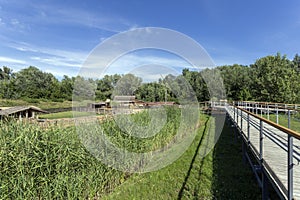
(21, 112)
(97, 105)
(123, 101)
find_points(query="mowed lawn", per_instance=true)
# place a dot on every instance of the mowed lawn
(219, 175)
(67, 114)
(283, 121)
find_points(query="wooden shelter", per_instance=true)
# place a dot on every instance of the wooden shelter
(21, 112)
(124, 101)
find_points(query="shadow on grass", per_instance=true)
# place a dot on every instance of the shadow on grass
(232, 178)
(180, 194)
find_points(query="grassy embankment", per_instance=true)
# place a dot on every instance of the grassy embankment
(219, 175)
(53, 164)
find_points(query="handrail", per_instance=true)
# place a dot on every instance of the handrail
(282, 128)
(264, 102)
(274, 105)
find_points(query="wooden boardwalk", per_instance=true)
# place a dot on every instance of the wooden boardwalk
(274, 149)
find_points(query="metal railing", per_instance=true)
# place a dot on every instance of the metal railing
(278, 137)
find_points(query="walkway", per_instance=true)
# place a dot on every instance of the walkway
(270, 144)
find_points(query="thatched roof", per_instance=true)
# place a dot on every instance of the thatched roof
(17, 109)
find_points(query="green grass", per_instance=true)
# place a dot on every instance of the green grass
(50, 164)
(220, 175)
(43, 104)
(283, 121)
(67, 114)
(53, 163)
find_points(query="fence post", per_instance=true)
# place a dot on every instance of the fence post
(268, 112)
(256, 108)
(241, 120)
(234, 112)
(265, 192)
(248, 128)
(261, 143)
(290, 167)
(277, 114)
(289, 119)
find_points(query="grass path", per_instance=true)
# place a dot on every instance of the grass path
(220, 175)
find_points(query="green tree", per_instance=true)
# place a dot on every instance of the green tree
(106, 85)
(66, 87)
(237, 81)
(275, 79)
(7, 76)
(127, 85)
(33, 83)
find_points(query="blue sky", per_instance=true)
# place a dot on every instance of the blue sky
(57, 36)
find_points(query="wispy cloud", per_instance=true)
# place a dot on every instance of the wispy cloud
(50, 56)
(150, 67)
(43, 14)
(11, 60)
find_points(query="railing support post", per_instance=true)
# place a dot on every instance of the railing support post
(277, 114)
(290, 160)
(261, 143)
(265, 192)
(256, 108)
(241, 120)
(248, 128)
(237, 116)
(290, 167)
(234, 112)
(268, 112)
(289, 119)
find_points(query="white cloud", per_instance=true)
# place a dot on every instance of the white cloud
(11, 60)
(52, 14)
(50, 56)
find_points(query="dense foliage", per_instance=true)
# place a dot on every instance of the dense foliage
(271, 78)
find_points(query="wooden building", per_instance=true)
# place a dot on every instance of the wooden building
(21, 112)
(124, 101)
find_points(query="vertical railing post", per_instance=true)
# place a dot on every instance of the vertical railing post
(261, 142)
(290, 161)
(268, 112)
(237, 116)
(248, 128)
(241, 120)
(234, 113)
(264, 178)
(289, 119)
(277, 121)
(256, 108)
(290, 167)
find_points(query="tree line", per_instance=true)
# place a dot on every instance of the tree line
(273, 78)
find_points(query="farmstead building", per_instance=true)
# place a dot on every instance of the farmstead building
(20, 112)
